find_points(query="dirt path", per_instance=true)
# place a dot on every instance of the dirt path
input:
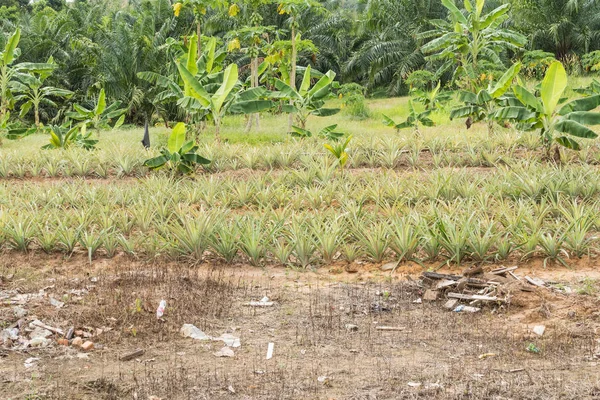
(317, 353)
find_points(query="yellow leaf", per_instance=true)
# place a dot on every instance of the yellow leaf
(233, 10)
(177, 9)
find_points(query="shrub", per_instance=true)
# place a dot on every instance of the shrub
(420, 79)
(536, 62)
(591, 61)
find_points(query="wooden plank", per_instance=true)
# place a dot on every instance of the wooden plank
(445, 283)
(47, 327)
(500, 271)
(435, 275)
(535, 281)
(514, 276)
(472, 297)
(132, 355)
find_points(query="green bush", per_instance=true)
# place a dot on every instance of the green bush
(536, 62)
(591, 61)
(420, 79)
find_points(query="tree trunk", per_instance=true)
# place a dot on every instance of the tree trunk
(218, 130)
(198, 33)
(293, 71)
(257, 115)
(253, 118)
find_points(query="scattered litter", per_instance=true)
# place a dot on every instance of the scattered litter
(532, 348)
(56, 303)
(464, 308)
(70, 332)
(418, 301)
(351, 327)
(40, 333)
(30, 362)
(161, 309)
(323, 379)
(450, 304)
(539, 330)
(40, 324)
(189, 330)
(264, 302)
(19, 311)
(487, 355)
(231, 389)
(270, 349)
(259, 372)
(10, 334)
(229, 340)
(390, 328)
(224, 352)
(414, 384)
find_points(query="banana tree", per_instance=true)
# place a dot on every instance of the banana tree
(63, 137)
(101, 116)
(38, 94)
(592, 89)
(294, 8)
(339, 151)
(179, 155)
(412, 121)
(327, 133)
(11, 74)
(308, 100)
(169, 89)
(481, 106)
(226, 96)
(199, 8)
(252, 38)
(557, 123)
(433, 99)
(468, 38)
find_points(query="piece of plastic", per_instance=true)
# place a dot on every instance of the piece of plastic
(161, 309)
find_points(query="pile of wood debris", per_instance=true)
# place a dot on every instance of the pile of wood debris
(475, 288)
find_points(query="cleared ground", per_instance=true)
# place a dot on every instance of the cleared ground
(437, 355)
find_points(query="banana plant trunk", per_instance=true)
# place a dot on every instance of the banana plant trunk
(293, 71)
(198, 33)
(253, 118)
(218, 129)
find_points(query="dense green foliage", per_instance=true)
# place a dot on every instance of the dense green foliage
(107, 44)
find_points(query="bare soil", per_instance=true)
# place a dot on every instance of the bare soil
(437, 355)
